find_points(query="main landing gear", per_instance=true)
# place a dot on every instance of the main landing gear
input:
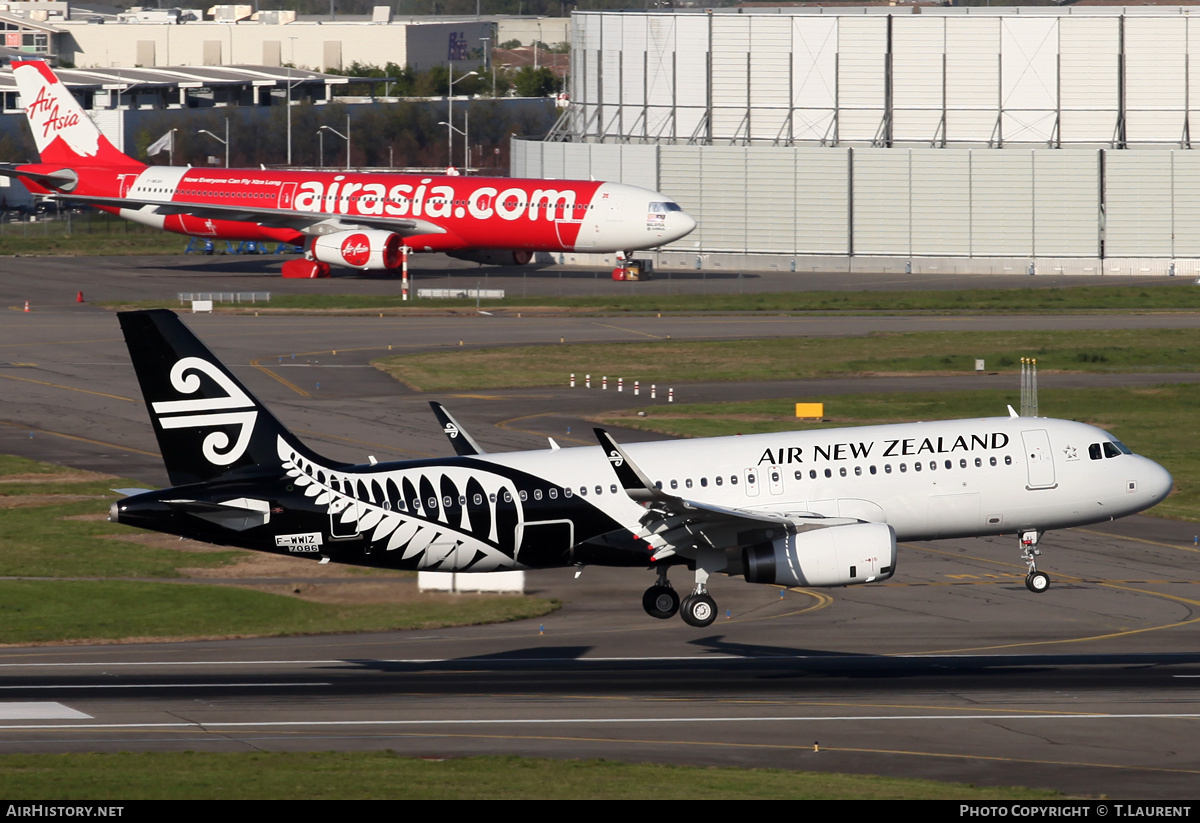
(1036, 581)
(661, 600)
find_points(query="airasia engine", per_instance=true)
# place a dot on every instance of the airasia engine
(494, 257)
(368, 249)
(830, 556)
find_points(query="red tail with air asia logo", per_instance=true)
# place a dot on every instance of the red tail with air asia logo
(62, 130)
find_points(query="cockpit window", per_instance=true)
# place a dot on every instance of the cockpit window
(1110, 449)
(664, 207)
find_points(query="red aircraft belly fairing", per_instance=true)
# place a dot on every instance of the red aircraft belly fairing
(359, 217)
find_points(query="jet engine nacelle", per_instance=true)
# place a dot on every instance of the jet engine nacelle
(494, 257)
(369, 249)
(832, 556)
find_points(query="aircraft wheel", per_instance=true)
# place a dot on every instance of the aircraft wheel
(661, 602)
(1037, 582)
(698, 610)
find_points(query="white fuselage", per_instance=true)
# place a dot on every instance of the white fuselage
(926, 480)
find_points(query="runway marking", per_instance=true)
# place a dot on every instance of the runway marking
(823, 601)
(606, 721)
(311, 433)
(505, 424)
(1140, 540)
(40, 711)
(492, 396)
(1108, 584)
(629, 331)
(1120, 658)
(281, 379)
(80, 439)
(155, 686)
(791, 747)
(67, 388)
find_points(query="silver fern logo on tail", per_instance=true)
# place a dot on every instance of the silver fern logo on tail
(419, 513)
(204, 412)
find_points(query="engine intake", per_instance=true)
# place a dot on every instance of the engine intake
(832, 556)
(369, 249)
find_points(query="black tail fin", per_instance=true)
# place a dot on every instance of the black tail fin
(208, 425)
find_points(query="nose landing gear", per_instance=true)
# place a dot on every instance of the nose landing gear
(1036, 581)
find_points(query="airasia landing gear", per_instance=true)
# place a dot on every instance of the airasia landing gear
(1036, 581)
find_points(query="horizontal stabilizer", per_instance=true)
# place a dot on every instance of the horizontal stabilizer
(61, 179)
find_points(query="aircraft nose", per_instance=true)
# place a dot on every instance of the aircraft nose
(1157, 483)
(679, 224)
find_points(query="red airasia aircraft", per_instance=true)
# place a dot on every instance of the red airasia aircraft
(353, 220)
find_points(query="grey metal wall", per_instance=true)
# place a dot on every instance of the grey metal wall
(1096, 76)
(798, 200)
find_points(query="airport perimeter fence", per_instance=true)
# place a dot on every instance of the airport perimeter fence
(186, 297)
(68, 223)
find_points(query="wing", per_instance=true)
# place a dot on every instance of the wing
(302, 221)
(674, 525)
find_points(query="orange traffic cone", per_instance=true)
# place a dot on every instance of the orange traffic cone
(26, 305)
(79, 297)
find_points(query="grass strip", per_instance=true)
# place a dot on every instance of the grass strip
(388, 776)
(39, 611)
(795, 358)
(53, 524)
(92, 245)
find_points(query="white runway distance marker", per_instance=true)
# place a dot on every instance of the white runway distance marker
(40, 711)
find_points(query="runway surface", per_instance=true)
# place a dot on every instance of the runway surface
(951, 670)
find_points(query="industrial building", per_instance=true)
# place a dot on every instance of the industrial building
(240, 35)
(1019, 139)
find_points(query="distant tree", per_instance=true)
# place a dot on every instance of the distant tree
(531, 82)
